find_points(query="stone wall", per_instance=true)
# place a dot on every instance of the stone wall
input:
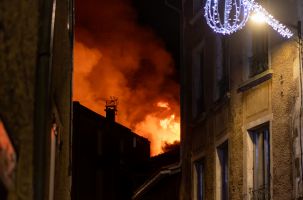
(18, 49)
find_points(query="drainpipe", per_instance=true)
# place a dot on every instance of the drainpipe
(183, 75)
(179, 11)
(301, 91)
(42, 105)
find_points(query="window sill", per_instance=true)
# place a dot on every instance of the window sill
(256, 80)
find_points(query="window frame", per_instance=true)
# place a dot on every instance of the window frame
(222, 189)
(261, 134)
(222, 64)
(259, 62)
(248, 149)
(200, 161)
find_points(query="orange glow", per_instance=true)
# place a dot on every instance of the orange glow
(114, 56)
(159, 129)
(163, 105)
(7, 158)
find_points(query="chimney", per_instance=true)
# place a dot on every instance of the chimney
(111, 108)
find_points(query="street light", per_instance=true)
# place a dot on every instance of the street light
(258, 18)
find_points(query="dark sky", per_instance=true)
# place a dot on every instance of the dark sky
(163, 20)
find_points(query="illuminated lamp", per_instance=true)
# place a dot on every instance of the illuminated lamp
(235, 15)
(259, 13)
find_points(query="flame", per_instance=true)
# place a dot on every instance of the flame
(128, 61)
(160, 130)
(163, 105)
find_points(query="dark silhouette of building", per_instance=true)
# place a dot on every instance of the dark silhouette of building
(109, 160)
(163, 182)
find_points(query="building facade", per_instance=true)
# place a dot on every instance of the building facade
(36, 46)
(241, 107)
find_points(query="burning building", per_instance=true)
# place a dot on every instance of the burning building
(114, 56)
(109, 160)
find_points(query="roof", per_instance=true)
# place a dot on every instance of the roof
(164, 172)
(96, 116)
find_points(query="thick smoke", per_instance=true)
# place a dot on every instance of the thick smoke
(114, 56)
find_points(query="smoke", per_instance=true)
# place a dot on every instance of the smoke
(114, 56)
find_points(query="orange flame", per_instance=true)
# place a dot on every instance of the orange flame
(114, 56)
(160, 130)
(163, 105)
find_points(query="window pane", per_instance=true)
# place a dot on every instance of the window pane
(200, 180)
(259, 59)
(223, 157)
(261, 168)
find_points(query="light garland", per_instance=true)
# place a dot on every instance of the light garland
(241, 10)
(229, 25)
(270, 20)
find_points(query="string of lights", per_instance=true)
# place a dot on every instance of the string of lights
(270, 20)
(229, 24)
(236, 14)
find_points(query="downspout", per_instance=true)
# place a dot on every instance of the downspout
(182, 75)
(71, 24)
(182, 79)
(42, 104)
(301, 92)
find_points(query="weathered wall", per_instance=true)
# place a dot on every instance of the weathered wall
(18, 48)
(19, 36)
(62, 95)
(283, 94)
(274, 101)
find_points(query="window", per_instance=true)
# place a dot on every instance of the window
(261, 163)
(258, 62)
(222, 152)
(199, 180)
(198, 81)
(222, 68)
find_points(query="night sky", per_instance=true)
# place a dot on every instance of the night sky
(163, 20)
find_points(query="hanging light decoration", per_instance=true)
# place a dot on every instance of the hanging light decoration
(233, 15)
(270, 20)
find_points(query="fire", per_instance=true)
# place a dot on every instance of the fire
(163, 105)
(114, 56)
(168, 123)
(160, 130)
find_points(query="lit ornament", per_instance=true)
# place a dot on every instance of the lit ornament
(270, 20)
(235, 15)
